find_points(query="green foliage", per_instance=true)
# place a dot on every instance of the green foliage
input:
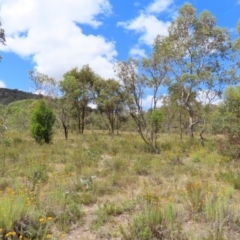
(19, 114)
(227, 121)
(196, 48)
(156, 119)
(42, 120)
(110, 100)
(77, 89)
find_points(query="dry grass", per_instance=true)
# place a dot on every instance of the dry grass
(111, 187)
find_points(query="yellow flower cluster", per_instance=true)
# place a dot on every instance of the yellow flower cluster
(10, 234)
(13, 202)
(43, 220)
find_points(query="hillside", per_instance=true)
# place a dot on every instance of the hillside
(11, 95)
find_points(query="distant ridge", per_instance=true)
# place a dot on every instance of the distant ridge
(11, 95)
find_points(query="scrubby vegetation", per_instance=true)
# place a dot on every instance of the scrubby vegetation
(112, 187)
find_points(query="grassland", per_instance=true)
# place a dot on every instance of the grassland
(98, 186)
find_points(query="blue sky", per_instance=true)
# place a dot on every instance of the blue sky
(55, 36)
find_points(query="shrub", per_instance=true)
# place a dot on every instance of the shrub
(42, 120)
(230, 177)
(153, 223)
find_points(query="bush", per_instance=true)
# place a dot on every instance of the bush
(42, 120)
(230, 177)
(153, 223)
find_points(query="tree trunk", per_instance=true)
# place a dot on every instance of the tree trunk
(111, 120)
(201, 137)
(65, 128)
(83, 123)
(190, 127)
(191, 124)
(79, 124)
(168, 129)
(112, 127)
(180, 123)
(117, 124)
(201, 133)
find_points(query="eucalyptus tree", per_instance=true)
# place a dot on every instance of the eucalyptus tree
(236, 45)
(63, 114)
(77, 88)
(134, 86)
(110, 100)
(226, 119)
(156, 69)
(154, 75)
(173, 113)
(43, 84)
(200, 58)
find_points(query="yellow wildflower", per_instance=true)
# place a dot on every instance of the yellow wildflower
(42, 220)
(8, 234)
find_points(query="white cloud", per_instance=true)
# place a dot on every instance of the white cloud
(47, 32)
(40, 92)
(147, 102)
(148, 26)
(158, 6)
(137, 52)
(92, 105)
(2, 84)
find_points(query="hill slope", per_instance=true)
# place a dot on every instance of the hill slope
(11, 95)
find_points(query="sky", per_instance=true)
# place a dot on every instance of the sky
(57, 35)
